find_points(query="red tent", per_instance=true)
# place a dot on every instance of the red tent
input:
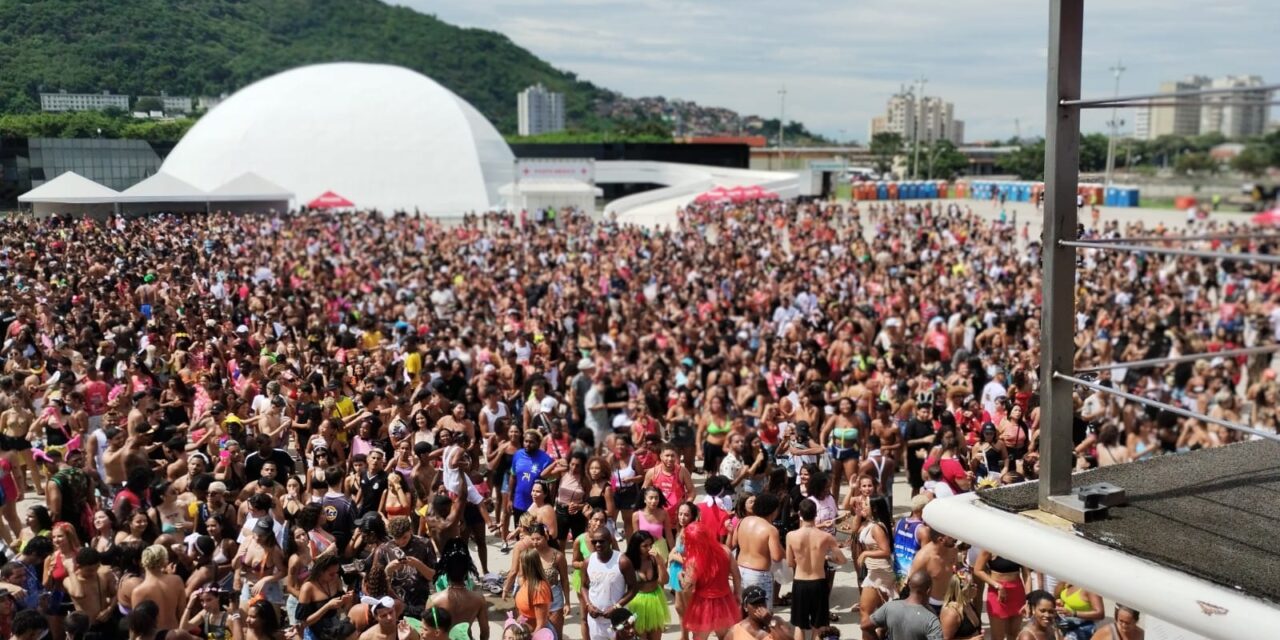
(330, 200)
(1268, 217)
(757, 192)
(718, 194)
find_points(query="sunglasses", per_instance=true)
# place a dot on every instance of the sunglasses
(601, 541)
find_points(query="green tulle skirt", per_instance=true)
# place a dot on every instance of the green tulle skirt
(651, 611)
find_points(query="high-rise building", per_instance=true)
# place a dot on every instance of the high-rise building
(934, 117)
(539, 110)
(63, 101)
(1235, 114)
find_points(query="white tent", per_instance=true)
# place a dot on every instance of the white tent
(71, 193)
(160, 193)
(537, 195)
(249, 192)
(384, 137)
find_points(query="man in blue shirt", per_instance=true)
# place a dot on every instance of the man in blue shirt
(529, 465)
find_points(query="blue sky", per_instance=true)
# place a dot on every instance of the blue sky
(840, 61)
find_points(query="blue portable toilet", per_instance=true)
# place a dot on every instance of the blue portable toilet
(1109, 197)
(1024, 192)
(882, 191)
(1131, 197)
(931, 190)
(907, 191)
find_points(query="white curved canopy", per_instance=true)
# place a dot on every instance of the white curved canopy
(383, 136)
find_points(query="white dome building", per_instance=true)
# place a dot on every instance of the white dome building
(381, 136)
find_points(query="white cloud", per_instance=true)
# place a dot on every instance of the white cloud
(841, 61)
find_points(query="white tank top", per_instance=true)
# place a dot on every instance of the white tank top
(607, 583)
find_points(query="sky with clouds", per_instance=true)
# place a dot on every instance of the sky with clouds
(840, 61)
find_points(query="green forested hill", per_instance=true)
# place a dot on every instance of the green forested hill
(206, 47)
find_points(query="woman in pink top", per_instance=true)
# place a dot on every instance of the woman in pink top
(654, 521)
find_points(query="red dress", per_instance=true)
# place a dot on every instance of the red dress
(712, 606)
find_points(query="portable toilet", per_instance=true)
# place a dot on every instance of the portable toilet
(882, 191)
(1111, 197)
(1131, 196)
(893, 190)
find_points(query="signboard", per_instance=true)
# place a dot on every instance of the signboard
(556, 169)
(826, 165)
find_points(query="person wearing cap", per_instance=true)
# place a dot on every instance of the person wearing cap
(388, 626)
(579, 386)
(760, 623)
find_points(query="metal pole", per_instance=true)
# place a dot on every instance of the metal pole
(1261, 237)
(1142, 364)
(1057, 329)
(1082, 103)
(1142, 248)
(1113, 127)
(1186, 413)
(782, 122)
(919, 109)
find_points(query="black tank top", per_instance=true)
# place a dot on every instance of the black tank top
(1003, 565)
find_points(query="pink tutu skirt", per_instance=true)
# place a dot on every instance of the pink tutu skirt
(711, 614)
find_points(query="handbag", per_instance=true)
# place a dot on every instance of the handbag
(626, 496)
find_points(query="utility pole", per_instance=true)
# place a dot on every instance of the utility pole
(919, 110)
(782, 121)
(1017, 128)
(1113, 126)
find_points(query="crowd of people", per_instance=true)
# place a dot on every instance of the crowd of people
(313, 425)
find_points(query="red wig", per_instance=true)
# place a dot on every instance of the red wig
(705, 553)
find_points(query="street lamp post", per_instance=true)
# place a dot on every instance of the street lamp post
(919, 109)
(782, 122)
(1113, 126)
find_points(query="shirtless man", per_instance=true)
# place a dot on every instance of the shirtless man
(464, 606)
(759, 545)
(16, 423)
(160, 586)
(890, 437)
(91, 591)
(808, 550)
(114, 459)
(938, 559)
(384, 613)
(444, 522)
(760, 623)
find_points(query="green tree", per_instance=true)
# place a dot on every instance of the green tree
(939, 160)
(1093, 152)
(148, 104)
(884, 147)
(1026, 162)
(1253, 160)
(1195, 163)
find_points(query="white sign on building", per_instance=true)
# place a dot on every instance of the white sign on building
(556, 169)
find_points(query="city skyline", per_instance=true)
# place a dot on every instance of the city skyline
(989, 60)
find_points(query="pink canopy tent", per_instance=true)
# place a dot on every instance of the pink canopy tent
(330, 200)
(718, 194)
(757, 192)
(1271, 217)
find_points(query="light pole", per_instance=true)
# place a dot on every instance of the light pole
(1113, 126)
(919, 110)
(782, 121)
